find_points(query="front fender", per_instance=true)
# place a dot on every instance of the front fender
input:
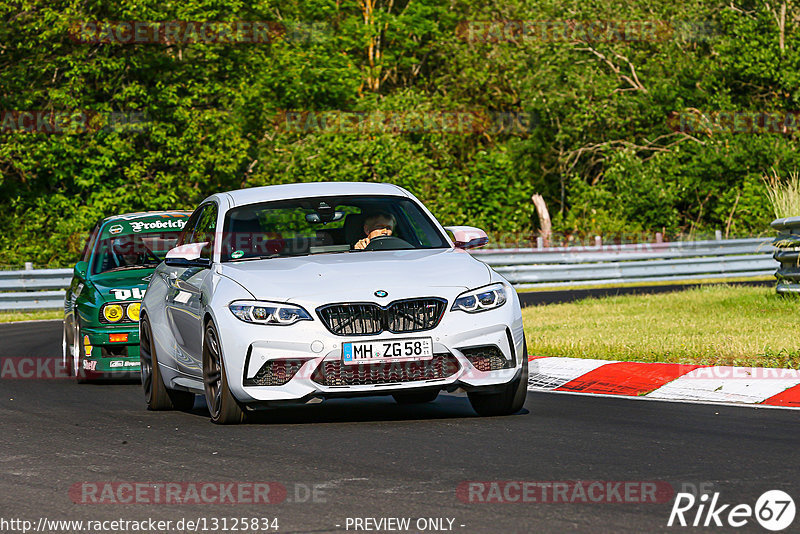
(220, 291)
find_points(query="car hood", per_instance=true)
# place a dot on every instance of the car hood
(356, 276)
(122, 285)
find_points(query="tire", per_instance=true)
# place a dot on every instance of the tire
(72, 357)
(506, 402)
(77, 358)
(66, 352)
(416, 397)
(223, 408)
(156, 394)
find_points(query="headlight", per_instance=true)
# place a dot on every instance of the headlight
(268, 312)
(112, 313)
(132, 311)
(120, 312)
(481, 299)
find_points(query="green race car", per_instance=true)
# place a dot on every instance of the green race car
(101, 308)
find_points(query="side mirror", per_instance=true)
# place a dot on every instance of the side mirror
(80, 270)
(465, 237)
(187, 255)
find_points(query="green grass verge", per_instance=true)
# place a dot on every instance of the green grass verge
(37, 315)
(713, 325)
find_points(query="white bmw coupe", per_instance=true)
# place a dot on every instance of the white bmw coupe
(305, 292)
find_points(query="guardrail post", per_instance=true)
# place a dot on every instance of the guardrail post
(539, 243)
(598, 241)
(718, 235)
(787, 253)
(28, 265)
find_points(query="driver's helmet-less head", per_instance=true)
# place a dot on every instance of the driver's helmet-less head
(378, 221)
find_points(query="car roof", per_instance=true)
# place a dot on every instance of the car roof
(268, 193)
(146, 215)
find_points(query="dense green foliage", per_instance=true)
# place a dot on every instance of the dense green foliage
(600, 149)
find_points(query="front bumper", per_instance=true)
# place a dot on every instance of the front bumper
(247, 348)
(103, 357)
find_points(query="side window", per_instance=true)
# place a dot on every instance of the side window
(189, 227)
(424, 232)
(87, 249)
(206, 229)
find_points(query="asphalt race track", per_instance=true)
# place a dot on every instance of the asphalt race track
(376, 459)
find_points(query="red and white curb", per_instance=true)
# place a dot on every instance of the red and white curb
(667, 381)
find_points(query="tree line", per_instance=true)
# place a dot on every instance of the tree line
(627, 119)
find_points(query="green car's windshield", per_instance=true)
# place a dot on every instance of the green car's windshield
(132, 251)
(325, 225)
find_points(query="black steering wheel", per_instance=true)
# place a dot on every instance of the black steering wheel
(387, 242)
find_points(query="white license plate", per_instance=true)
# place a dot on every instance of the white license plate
(390, 350)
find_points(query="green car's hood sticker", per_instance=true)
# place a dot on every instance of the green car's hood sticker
(123, 285)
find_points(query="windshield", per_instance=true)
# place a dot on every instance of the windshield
(326, 225)
(132, 251)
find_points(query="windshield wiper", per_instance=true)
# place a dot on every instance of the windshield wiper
(271, 256)
(129, 267)
(250, 258)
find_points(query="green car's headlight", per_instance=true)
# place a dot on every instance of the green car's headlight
(113, 313)
(132, 311)
(481, 299)
(120, 312)
(272, 313)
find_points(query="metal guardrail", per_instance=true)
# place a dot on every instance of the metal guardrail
(38, 279)
(32, 300)
(27, 290)
(787, 254)
(523, 267)
(641, 262)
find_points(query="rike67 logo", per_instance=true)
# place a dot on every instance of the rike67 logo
(774, 510)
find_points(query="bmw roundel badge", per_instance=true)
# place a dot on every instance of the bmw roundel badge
(381, 293)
